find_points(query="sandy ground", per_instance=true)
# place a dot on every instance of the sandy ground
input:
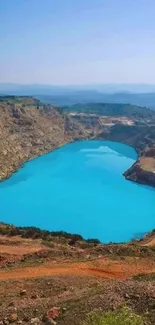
(148, 163)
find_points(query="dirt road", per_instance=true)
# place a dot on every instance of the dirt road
(106, 269)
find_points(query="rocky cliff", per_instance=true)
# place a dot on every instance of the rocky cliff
(29, 129)
(140, 175)
(143, 171)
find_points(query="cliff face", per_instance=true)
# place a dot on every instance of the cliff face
(137, 174)
(143, 171)
(29, 129)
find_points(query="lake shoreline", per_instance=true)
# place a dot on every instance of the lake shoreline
(36, 232)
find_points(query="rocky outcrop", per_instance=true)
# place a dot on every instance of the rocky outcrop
(137, 174)
(143, 171)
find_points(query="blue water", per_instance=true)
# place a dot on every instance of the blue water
(80, 188)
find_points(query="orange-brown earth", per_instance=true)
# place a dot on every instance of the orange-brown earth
(105, 268)
(37, 275)
(97, 260)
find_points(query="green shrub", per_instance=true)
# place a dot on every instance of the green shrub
(123, 317)
(93, 241)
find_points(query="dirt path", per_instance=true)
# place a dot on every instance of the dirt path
(46, 271)
(104, 269)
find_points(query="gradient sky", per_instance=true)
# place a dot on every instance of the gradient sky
(77, 41)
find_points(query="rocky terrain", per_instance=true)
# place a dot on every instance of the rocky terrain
(59, 278)
(29, 129)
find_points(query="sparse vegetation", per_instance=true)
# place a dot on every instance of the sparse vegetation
(123, 317)
(33, 232)
(108, 109)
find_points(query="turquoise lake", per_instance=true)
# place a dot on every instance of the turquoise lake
(80, 188)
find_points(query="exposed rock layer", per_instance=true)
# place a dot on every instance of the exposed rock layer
(29, 129)
(137, 174)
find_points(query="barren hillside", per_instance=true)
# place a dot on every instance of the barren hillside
(29, 129)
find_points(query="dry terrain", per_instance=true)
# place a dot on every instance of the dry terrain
(29, 129)
(64, 279)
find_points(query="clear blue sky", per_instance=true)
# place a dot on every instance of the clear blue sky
(77, 41)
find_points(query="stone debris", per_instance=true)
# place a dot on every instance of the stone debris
(35, 321)
(23, 292)
(13, 318)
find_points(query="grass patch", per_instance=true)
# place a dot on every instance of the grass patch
(125, 316)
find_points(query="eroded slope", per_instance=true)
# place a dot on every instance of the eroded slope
(29, 129)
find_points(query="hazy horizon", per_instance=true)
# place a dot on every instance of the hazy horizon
(77, 42)
(132, 88)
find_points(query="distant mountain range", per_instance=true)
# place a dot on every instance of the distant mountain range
(144, 100)
(142, 95)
